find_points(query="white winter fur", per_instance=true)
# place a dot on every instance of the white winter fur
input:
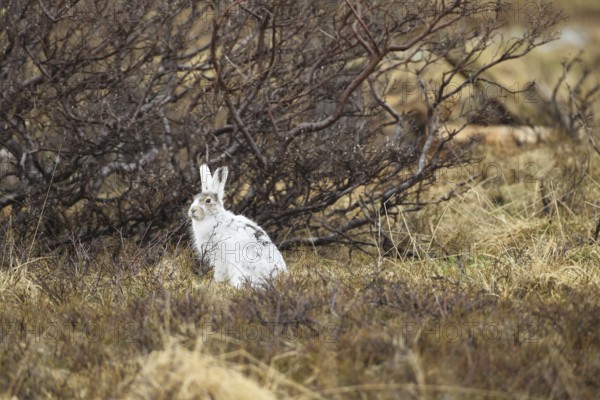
(236, 247)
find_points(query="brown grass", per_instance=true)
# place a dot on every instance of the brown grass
(499, 301)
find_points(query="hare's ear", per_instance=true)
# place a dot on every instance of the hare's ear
(205, 178)
(219, 182)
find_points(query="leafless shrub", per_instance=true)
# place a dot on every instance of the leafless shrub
(569, 107)
(108, 108)
(571, 103)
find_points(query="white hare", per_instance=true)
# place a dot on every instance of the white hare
(236, 247)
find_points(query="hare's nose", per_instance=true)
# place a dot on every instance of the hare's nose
(195, 212)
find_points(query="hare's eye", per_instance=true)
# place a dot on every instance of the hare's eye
(208, 201)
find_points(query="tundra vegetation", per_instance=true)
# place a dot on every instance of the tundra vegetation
(429, 169)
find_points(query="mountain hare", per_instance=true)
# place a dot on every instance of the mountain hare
(235, 246)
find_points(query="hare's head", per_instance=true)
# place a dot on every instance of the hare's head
(210, 200)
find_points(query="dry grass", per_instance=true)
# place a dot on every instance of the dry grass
(499, 302)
